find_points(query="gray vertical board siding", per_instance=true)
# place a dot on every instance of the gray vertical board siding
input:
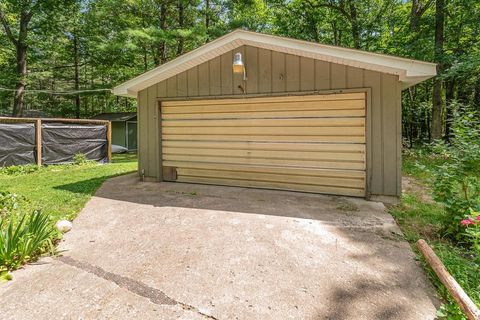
(389, 118)
(152, 132)
(226, 73)
(398, 121)
(172, 87)
(278, 72)
(264, 71)
(373, 80)
(192, 82)
(251, 64)
(215, 77)
(204, 79)
(338, 76)
(182, 84)
(143, 132)
(270, 72)
(307, 74)
(354, 77)
(322, 75)
(292, 73)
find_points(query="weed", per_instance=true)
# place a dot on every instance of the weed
(347, 206)
(80, 159)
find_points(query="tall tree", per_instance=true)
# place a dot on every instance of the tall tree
(437, 102)
(16, 30)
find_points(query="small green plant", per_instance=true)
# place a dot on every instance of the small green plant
(80, 159)
(5, 276)
(22, 239)
(9, 203)
(20, 169)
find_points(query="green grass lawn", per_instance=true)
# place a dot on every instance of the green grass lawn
(62, 190)
(420, 217)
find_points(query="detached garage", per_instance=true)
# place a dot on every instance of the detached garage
(262, 111)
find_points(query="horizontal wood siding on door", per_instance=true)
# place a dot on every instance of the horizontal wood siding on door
(304, 153)
(273, 73)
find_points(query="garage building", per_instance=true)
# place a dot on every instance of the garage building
(257, 110)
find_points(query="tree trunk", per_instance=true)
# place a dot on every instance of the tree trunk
(181, 22)
(22, 79)
(207, 19)
(162, 50)
(354, 22)
(476, 95)
(437, 102)
(449, 96)
(77, 76)
(417, 11)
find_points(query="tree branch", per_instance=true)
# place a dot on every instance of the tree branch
(331, 6)
(7, 28)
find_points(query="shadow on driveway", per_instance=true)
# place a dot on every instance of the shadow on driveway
(235, 253)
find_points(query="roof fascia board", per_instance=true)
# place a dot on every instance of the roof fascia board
(188, 60)
(343, 55)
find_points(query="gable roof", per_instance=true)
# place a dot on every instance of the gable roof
(116, 116)
(410, 71)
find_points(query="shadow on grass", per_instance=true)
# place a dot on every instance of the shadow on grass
(89, 186)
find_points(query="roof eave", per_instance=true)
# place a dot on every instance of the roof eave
(410, 71)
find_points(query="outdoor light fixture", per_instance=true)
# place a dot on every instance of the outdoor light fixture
(238, 66)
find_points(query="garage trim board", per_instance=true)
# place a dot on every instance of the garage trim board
(309, 143)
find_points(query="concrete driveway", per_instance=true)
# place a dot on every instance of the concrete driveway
(179, 251)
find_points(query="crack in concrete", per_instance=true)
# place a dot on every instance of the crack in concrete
(154, 295)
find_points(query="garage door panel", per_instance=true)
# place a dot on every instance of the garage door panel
(302, 143)
(273, 177)
(273, 106)
(276, 185)
(263, 100)
(268, 114)
(285, 146)
(331, 173)
(354, 165)
(273, 138)
(268, 154)
(254, 131)
(256, 122)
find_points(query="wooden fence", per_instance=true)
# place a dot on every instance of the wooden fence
(38, 130)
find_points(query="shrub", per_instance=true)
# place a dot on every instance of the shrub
(20, 169)
(472, 229)
(23, 239)
(80, 159)
(457, 180)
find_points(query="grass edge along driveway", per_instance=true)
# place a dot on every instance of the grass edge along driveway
(62, 191)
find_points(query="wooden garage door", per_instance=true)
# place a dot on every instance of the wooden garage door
(312, 143)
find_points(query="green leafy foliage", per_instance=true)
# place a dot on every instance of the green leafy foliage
(10, 203)
(422, 218)
(21, 240)
(60, 191)
(80, 159)
(472, 229)
(457, 180)
(19, 169)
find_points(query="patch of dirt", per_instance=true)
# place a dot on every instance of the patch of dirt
(347, 206)
(412, 185)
